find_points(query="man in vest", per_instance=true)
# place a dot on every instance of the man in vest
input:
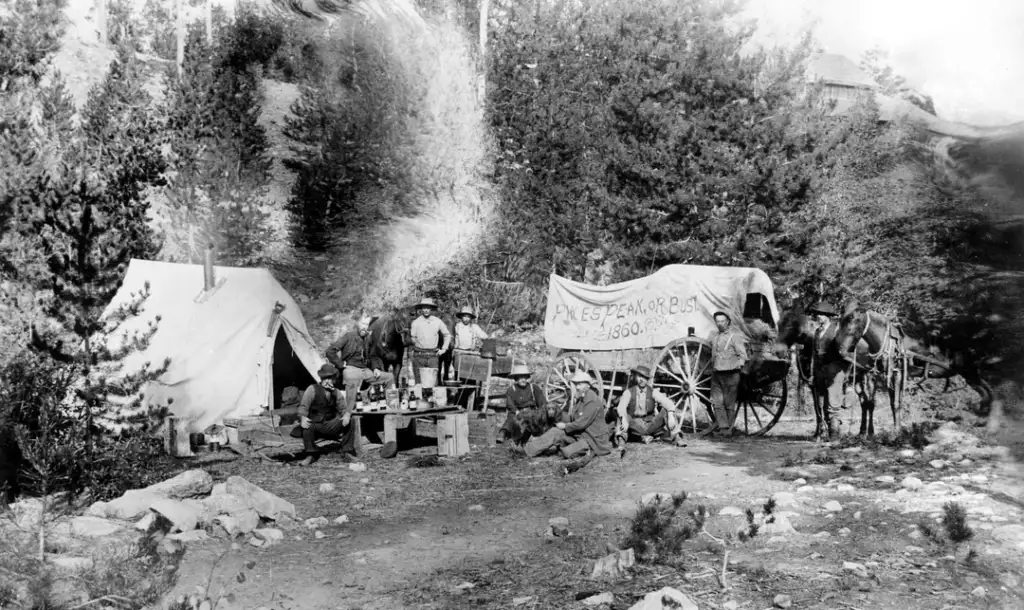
(830, 368)
(644, 412)
(526, 404)
(358, 362)
(728, 355)
(583, 427)
(425, 331)
(323, 414)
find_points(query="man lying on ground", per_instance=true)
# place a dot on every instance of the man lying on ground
(583, 430)
(645, 413)
(528, 415)
(323, 414)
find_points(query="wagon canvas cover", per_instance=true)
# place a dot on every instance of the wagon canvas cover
(650, 311)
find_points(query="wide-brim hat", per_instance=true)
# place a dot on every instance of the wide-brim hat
(823, 308)
(466, 311)
(327, 370)
(582, 377)
(520, 370)
(427, 302)
(721, 313)
(642, 371)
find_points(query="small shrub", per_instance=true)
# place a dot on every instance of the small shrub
(954, 521)
(769, 506)
(657, 531)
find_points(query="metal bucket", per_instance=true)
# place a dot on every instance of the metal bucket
(428, 377)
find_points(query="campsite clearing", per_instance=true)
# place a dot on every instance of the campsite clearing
(472, 532)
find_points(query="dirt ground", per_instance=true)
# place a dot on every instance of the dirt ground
(470, 533)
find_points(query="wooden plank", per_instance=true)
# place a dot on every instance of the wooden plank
(453, 435)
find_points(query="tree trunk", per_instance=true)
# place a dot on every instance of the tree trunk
(209, 22)
(180, 26)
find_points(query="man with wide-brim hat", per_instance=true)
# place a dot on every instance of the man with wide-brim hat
(468, 334)
(583, 429)
(527, 408)
(728, 356)
(830, 368)
(323, 414)
(645, 412)
(431, 338)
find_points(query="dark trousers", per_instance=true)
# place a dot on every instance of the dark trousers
(725, 386)
(425, 359)
(331, 429)
(649, 425)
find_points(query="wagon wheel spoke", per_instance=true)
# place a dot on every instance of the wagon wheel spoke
(671, 374)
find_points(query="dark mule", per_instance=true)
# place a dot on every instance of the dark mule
(796, 329)
(389, 336)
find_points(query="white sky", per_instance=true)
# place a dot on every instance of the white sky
(967, 54)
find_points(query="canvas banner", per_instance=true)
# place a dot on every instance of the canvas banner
(650, 311)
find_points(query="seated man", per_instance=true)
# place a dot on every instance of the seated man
(583, 428)
(527, 415)
(358, 361)
(324, 415)
(644, 412)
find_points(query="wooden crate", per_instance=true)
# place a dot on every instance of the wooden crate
(483, 428)
(453, 435)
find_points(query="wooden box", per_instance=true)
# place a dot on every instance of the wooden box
(483, 428)
(453, 435)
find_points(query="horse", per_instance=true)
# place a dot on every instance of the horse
(389, 336)
(876, 348)
(796, 329)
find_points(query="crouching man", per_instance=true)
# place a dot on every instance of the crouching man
(582, 431)
(527, 413)
(644, 413)
(324, 414)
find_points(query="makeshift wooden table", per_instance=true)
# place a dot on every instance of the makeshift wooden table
(473, 367)
(449, 425)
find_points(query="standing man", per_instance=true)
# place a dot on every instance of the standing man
(426, 331)
(468, 333)
(829, 368)
(323, 414)
(728, 355)
(358, 361)
(644, 412)
(583, 428)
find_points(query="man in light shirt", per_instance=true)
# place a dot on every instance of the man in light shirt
(644, 412)
(468, 334)
(728, 355)
(430, 338)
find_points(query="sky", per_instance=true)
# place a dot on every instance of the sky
(967, 54)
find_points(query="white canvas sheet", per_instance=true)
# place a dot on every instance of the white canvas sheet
(649, 311)
(219, 346)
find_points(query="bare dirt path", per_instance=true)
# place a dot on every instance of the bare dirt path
(415, 535)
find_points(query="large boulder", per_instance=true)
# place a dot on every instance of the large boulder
(93, 527)
(189, 484)
(265, 503)
(183, 516)
(664, 599)
(132, 505)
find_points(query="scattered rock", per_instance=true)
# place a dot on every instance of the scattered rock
(785, 499)
(342, 520)
(597, 600)
(913, 549)
(857, 515)
(782, 601)
(730, 605)
(1010, 580)
(655, 497)
(229, 524)
(519, 601)
(357, 467)
(1010, 534)
(978, 592)
(72, 564)
(268, 535)
(97, 509)
(319, 534)
(823, 534)
(316, 522)
(664, 599)
(169, 546)
(777, 525)
(908, 454)
(912, 483)
(189, 484)
(857, 568)
(476, 508)
(93, 527)
(796, 482)
(979, 478)
(184, 516)
(189, 536)
(132, 505)
(246, 520)
(613, 565)
(326, 488)
(844, 531)
(833, 507)
(886, 478)
(937, 464)
(558, 522)
(266, 504)
(966, 462)
(731, 511)
(146, 522)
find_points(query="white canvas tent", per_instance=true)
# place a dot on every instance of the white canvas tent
(231, 353)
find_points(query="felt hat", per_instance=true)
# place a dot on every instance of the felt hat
(722, 313)
(582, 377)
(642, 371)
(520, 370)
(426, 302)
(823, 308)
(326, 371)
(466, 311)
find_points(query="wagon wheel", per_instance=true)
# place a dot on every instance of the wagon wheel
(682, 372)
(760, 407)
(558, 389)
